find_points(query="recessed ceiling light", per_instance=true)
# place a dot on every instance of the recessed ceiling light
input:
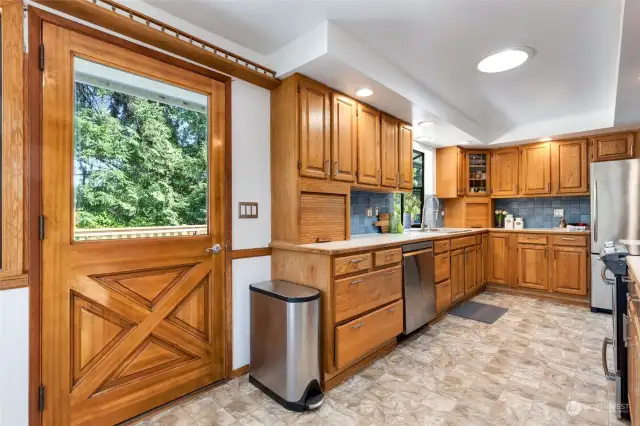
(505, 59)
(426, 123)
(546, 139)
(364, 92)
(465, 143)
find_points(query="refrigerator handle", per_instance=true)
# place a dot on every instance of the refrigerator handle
(595, 211)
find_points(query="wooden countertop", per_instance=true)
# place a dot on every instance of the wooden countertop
(377, 241)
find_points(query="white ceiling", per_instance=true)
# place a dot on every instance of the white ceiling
(429, 50)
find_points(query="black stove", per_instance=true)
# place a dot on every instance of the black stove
(614, 257)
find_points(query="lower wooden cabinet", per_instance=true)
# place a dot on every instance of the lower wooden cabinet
(533, 266)
(569, 270)
(457, 274)
(442, 266)
(362, 335)
(443, 295)
(498, 259)
(470, 269)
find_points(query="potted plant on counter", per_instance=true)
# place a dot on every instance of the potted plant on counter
(500, 215)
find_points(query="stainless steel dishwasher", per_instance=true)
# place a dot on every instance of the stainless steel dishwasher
(419, 285)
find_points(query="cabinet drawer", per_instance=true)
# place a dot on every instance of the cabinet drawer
(387, 257)
(362, 335)
(565, 240)
(443, 295)
(440, 246)
(442, 266)
(532, 239)
(364, 292)
(457, 243)
(350, 264)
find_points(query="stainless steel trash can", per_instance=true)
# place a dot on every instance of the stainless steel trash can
(285, 343)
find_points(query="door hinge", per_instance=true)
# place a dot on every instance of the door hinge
(299, 87)
(41, 57)
(41, 226)
(299, 164)
(41, 398)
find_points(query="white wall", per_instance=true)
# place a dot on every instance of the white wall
(251, 181)
(14, 357)
(429, 167)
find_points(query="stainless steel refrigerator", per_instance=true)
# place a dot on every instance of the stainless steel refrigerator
(615, 216)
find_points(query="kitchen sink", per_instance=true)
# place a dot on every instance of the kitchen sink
(445, 230)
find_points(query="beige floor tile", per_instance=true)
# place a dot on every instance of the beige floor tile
(175, 416)
(201, 407)
(219, 418)
(510, 409)
(489, 385)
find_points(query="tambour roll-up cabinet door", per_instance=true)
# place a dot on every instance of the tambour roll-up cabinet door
(323, 217)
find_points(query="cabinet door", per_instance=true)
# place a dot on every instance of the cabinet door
(368, 145)
(479, 265)
(498, 261)
(619, 146)
(476, 173)
(405, 157)
(443, 295)
(485, 258)
(389, 151)
(504, 171)
(533, 266)
(314, 130)
(470, 271)
(457, 274)
(569, 270)
(460, 178)
(536, 169)
(569, 165)
(344, 134)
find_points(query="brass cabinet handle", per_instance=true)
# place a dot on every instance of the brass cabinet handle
(356, 260)
(357, 326)
(354, 282)
(558, 186)
(327, 166)
(398, 179)
(392, 309)
(545, 252)
(388, 255)
(390, 273)
(335, 168)
(548, 187)
(567, 239)
(379, 174)
(554, 253)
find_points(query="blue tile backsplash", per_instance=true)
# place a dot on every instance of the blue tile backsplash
(360, 202)
(538, 212)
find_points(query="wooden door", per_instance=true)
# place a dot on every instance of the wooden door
(470, 272)
(443, 295)
(498, 262)
(485, 258)
(368, 145)
(536, 169)
(569, 270)
(457, 274)
(479, 265)
(533, 266)
(314, 104)
(405, 157)
(127, 324)
(344, 138)
(389, 151)
(619, 146)
(569, 165)
(504, 171)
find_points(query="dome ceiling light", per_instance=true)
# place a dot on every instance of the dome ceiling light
(505, 59)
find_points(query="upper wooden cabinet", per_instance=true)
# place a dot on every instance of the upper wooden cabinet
(536, 169)
(405, 156)
(618, 146)
(368, 145)
(569, 166)
(505, 171)
(476, 173)
(344, 134)
(389, 150)
(450, 174)
(314, 104)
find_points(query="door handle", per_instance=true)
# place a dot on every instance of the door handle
(606, 342)
(335, 168)
(595, 211)
(357, 326)
(216, 249)
(327, 167)
(606, 280)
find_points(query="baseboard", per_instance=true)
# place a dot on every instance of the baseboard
(239, 372)
(566, 299)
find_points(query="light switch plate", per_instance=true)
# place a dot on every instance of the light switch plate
(247, 210)
(558, 212)
(370, 212)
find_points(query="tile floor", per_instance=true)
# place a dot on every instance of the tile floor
(525, 369)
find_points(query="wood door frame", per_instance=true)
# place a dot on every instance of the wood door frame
(36, 18)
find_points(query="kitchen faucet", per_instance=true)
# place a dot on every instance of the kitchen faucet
(424, 209)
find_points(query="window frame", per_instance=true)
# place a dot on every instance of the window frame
(419, 154)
